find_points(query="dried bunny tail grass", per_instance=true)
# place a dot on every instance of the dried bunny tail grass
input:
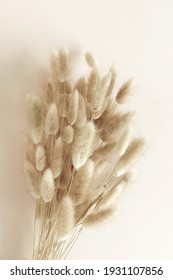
(90, 59)
(51, 126)
(98, 98)
(133, 151)
(110, 109)
(50, 93)
(35, 115)
(118, 121)
(47, 186)
(40, 157)
(73, 107)
(63, 65)
(81, 182)
(93, 80)
(82, 145)
(123, 142)
(112, 82)
(98, 217)
(66, 87)
(65, 220)
(81, 86)
(67, 134)
(127, 177)
(60, 66)
(33, 179)
(63, 103)
(103, 152)
(67, 171)
(82, 115)
(110, 197)
(124, 92)
(105, 83)
(99, 167)
(97, 114)
(57, 159)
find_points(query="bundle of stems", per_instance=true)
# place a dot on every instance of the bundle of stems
(76, 130)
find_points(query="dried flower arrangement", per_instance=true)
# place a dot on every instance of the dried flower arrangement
(75, 130)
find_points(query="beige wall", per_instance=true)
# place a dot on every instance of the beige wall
(136, 36)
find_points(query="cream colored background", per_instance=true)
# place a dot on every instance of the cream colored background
(137, 36)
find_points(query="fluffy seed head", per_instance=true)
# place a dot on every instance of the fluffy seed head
(81, 86)
(98, 217)
(40, 157)
(118, 121)
(124, 92)
(104, 152)
(112, 82)
(110, 197)
(52, 120)
(90, 59)
(133, 151)
(123, 142)
(81, 116)
(63, 103)
(67, 134)
(35, 115)
(56, 164)
(33, 179)
(65, 220)
(93, 81)
(81, 182)
(47, 186)
(73, 107)
(50, 94)
(60, 66)
(82, 145)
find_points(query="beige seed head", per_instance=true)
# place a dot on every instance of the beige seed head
(110, 110)
(104, 152)
(93, 81)
(100, 166)
(82, 145)
(133, 151)
(51, 126)
(124, 92)
(65, 221)
(90, 59)
(73, 107)
(118, 121)
(81, 116)
(56, 163)
(40, 157)
(47, 186)
(97, 114)
(123, 142)
(50, 94)
(112, 82)
(33, 179)
(67, 134)
(125, 178)
(81, 182)
(35, 115)
(111, 196)
(98, 217)
(81, 86)
(63, 103)
(63, 65)
(98, 97)
(65, 88)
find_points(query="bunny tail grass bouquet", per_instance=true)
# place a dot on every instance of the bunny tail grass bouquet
(76, 130)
